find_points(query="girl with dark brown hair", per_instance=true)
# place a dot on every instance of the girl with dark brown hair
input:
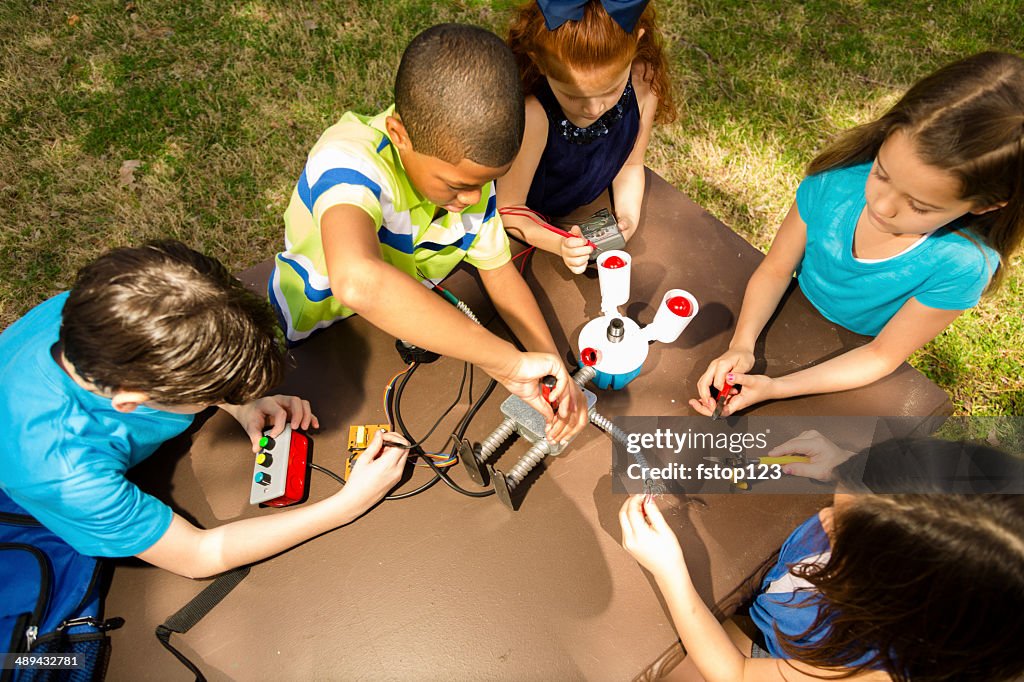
(900, 226)
(595, 81)
(876, 587)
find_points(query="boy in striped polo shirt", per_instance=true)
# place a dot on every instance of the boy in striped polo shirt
(388, 203)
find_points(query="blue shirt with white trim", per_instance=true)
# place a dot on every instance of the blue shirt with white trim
(788, 602)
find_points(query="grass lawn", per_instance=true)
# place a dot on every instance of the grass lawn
(125, 121)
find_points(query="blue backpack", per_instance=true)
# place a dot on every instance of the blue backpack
(50, 604)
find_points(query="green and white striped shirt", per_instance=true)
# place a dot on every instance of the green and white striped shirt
(355, 163)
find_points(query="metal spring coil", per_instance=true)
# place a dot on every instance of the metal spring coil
(466, 311)
(583, 375)
(534, 455)
(498, 436)
(605, 424)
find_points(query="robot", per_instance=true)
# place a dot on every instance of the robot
(612, 351)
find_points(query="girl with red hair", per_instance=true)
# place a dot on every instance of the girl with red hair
(595, 80)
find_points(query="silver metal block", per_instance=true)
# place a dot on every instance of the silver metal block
(529, 422)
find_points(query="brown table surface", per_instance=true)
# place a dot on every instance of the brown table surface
(443, 586)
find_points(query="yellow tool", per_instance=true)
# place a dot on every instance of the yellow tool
(743, 461)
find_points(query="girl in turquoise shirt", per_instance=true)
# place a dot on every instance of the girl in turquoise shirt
(899, 227)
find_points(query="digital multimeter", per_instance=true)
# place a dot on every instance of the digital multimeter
(602, 229)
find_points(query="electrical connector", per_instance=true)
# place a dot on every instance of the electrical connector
(360, 435)
(410, 353)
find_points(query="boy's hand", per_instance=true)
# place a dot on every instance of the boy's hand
(575, 251)
(275, 409)
(571, 417)
(648, 538)
(522, 378)
(756, 388)
(822, 455)
(375, 472)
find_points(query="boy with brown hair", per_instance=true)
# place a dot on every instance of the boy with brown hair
(389, 203)
(95, 379)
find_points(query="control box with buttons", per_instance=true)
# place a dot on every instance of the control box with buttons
(281, 470)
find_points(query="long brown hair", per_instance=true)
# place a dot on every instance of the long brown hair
(595, 40)
(931, 585)
(967, 118)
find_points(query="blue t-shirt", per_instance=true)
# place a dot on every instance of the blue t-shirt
(947, 270)
(793, 611)
(66, 450)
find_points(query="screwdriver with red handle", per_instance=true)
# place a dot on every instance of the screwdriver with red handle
(546, 385)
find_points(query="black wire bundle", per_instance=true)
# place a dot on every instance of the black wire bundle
(457, 437)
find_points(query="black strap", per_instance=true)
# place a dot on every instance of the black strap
(194, 611)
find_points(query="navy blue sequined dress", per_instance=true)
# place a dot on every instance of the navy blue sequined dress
(579, 164)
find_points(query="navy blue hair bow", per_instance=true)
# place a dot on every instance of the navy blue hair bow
(625, 12)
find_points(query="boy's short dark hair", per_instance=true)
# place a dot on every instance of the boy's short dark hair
(170, 322)
(458, 94)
